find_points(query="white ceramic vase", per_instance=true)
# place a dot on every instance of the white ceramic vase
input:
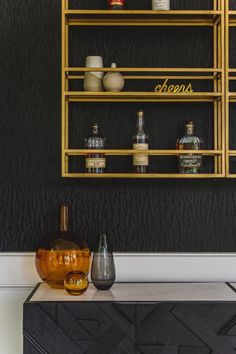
(113, 81)
(93, 79)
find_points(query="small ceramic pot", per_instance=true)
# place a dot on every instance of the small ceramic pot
(93, 80)
(113, 81)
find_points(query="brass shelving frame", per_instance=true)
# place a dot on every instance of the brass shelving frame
(230, 21)
(214, 18)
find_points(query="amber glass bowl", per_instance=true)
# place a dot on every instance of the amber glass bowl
(53, 265)
(76, 283)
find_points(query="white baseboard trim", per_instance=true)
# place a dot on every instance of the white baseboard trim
(18, 269)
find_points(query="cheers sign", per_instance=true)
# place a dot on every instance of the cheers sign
(173, 88)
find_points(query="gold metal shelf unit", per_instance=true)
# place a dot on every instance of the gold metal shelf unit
(230, 22)
(214, 18)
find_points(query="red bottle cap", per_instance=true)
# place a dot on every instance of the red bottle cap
(116, 2)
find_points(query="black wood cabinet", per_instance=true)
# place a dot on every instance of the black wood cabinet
(72, 327)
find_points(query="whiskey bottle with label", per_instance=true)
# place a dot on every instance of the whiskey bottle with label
(140, 142)
(95, 162)
(189, 163)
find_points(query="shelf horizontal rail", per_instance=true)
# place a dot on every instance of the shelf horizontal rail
(232, 17)
(156, 77)
(232, 74)
(133, 100)
(146, 70)
(82, 96)
(146, 12)
(143, 17)
(129, 152)
(232, 96)
(232, 152)
(144, 175)
(146, 23)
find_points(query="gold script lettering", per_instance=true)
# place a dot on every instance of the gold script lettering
(173, 88)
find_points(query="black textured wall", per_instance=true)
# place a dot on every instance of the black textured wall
(157, 215)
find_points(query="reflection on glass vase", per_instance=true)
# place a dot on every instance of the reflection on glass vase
(103, 267)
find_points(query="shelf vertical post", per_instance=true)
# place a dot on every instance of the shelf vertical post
(227, 49)
(215, 83)
(64, 88)
(222, 85)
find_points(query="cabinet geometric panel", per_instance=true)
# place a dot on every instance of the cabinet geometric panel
(117, 328)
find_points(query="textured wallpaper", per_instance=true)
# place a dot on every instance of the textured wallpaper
(142, 215)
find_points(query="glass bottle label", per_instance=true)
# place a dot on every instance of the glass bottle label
(161, 4)
(140, 146)
(140, 159)
(190, 161)
(95, 162)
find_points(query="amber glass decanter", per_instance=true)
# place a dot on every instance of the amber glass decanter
(62, 253)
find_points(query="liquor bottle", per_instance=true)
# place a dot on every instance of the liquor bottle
(116, 4)
(61, 253)
(189, 163)
(140, 142)
(95, 163)
(160, 5)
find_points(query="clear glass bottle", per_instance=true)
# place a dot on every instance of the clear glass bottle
(189, 163)
(62, 252)
(103, 272)
(95, 163)
(116, 4)
(140, 142)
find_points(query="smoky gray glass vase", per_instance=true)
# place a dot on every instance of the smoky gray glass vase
(103, 272)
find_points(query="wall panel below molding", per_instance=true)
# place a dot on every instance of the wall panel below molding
(11, 310)
(18, 276)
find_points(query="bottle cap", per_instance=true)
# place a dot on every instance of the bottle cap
(190, 123)
(113, 65)
(140, 113)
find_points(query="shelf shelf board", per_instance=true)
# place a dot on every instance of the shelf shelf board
(144, 175)
(128, 152)
(84, 96)
(142, 17)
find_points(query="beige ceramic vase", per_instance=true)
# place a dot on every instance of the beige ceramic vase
(93, 80)
(113, 81)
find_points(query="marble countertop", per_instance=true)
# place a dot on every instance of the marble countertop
(141, 292)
